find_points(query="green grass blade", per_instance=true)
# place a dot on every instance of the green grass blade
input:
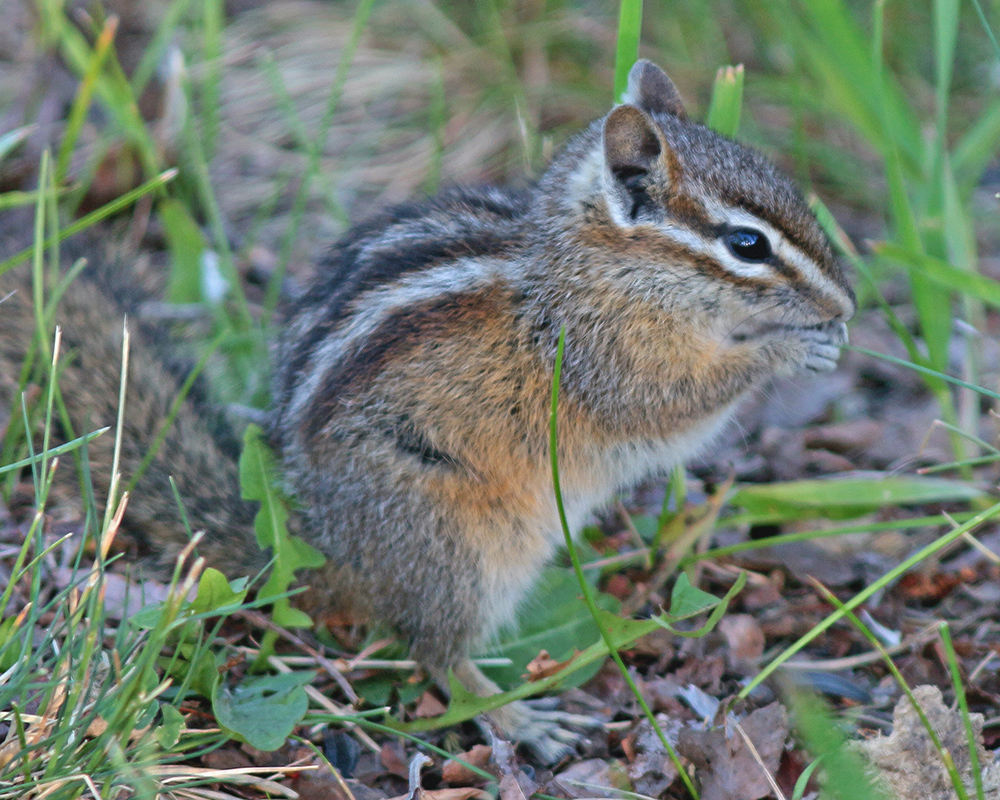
(976, 148)
(844, 768)
(113, 90)
(95, 216)
(727, 100)
(930, 373)
(941, 274)
(945, 37)
(588, 594)
(212, 21)
(84, 95)
(986, 27)
(12, 139)
(890, 576)
(807, 536)
(52, 452)
(151, 56)
(932, 734)
(627, 48)
(963, 705)
(358, 24)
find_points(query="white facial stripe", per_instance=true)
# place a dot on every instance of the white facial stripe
(715, 249)
(683, 236)
(785, 250)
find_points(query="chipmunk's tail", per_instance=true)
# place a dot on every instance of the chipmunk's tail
(198, 451)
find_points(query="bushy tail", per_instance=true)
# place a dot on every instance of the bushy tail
(199, 451)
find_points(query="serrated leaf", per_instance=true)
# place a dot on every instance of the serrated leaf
(263, 710)
(258, 481)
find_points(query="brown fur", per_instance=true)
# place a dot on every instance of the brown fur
(197, 452)
(412, 379)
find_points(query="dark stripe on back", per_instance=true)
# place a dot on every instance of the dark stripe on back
(474, 222)
(405, 329)
(411, 440)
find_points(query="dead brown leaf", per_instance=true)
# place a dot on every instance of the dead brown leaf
(744, 637)
(543, 665)
(429, 706)
(457, 773)
(729, 768)
(593, 777)
(908, 762)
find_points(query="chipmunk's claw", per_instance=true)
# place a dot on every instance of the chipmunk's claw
(824, 343)
(549, 735)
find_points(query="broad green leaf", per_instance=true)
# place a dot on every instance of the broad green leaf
(197, 666)
(263, 710)
(289, 617)
(168, 733)
(687, 600)
(713, 619)
(552, 619)
(215, 592)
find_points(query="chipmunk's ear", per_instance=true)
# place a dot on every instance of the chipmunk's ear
(632, 150)
(650, 89)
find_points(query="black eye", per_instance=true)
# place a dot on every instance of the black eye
(748, 244)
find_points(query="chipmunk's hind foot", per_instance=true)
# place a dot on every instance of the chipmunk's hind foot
(550, 735)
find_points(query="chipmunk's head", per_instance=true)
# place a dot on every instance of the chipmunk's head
(713, 219)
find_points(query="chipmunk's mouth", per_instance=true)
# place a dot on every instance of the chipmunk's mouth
(837, 330)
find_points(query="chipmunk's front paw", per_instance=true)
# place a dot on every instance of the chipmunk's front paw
(548, 735)
(823, 345)
(813, 349)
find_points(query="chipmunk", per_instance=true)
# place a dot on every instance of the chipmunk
(412, 379)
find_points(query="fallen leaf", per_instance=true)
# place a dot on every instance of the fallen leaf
(394, 759)
(429, 706)
(728, 768)
(593, 778)
(909, 763)
(543, 666)
(651, 770)
(744, 637)
(456, 773)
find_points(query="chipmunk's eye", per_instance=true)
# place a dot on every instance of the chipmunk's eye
(748, 245)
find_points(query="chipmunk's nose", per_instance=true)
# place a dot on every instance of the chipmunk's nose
(838, 301)
(849, 305)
